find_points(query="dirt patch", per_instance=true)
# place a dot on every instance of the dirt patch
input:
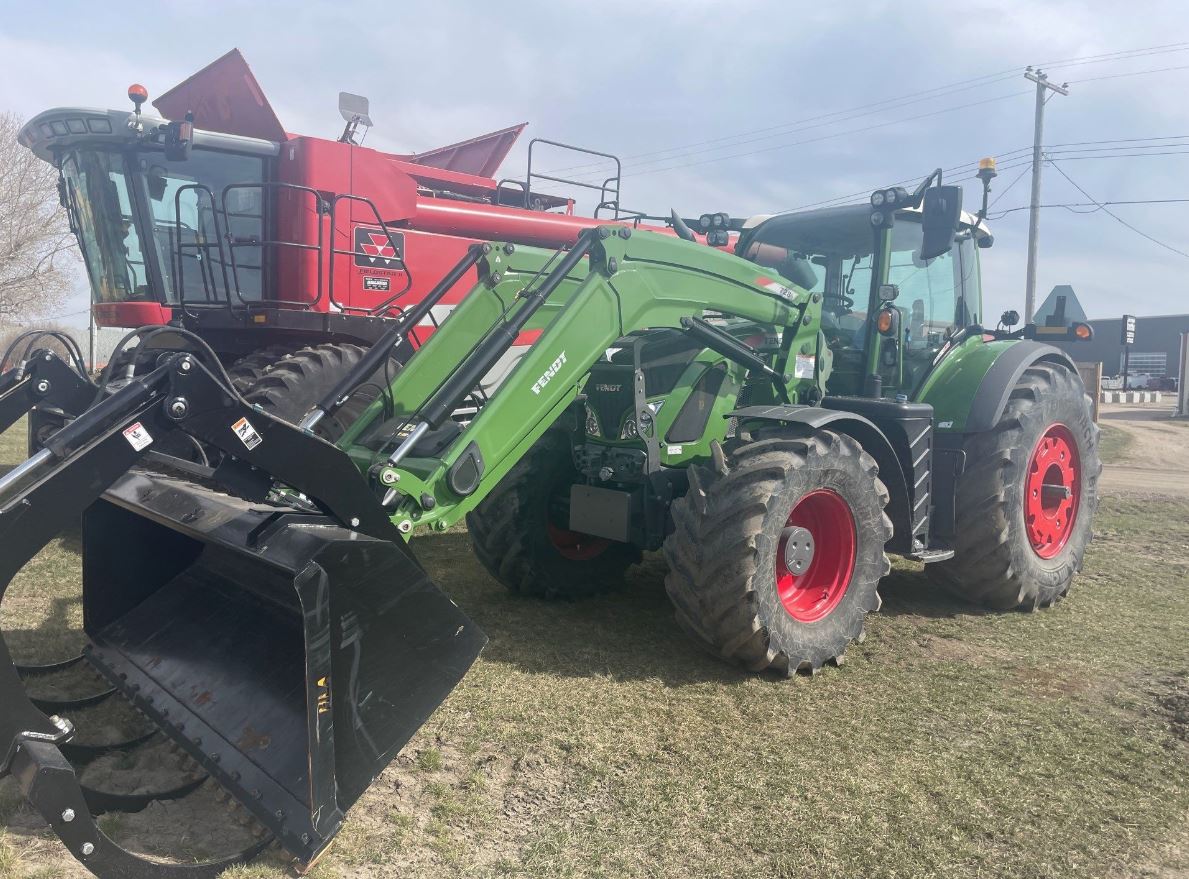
(1172, 701)
(111, 722)
(78, 681)
(203, 825)
(424, 808)
(153, 768)
(1154, 460)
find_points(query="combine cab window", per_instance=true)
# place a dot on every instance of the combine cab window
(189, 201)
(205, 238)
(102, 207)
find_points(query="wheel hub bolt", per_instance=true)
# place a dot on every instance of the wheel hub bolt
(88, 848)
(68, 815)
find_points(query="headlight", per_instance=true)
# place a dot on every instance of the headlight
(877, 198)
(592, 422)
(629, 429)
(647, 425)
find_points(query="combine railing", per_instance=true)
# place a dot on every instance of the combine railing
(220, 269)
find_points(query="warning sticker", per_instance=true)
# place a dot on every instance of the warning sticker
(247, 434)
(804, 366)
(137, 436)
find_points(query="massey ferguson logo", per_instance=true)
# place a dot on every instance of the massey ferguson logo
(540, 383)
(374, 249)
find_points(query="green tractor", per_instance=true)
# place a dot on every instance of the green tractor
(776, 464)
(777, 421)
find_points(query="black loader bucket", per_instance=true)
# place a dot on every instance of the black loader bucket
(290, 657)
(282, 650)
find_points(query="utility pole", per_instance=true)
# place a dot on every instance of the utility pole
(1042, 87)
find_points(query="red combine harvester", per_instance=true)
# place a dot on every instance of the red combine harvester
(264, 243)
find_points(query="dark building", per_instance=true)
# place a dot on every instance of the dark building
(1155, 352)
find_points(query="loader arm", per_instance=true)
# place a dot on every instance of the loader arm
(631, 282)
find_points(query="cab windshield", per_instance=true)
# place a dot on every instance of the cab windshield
(935, 298)
(145, 222)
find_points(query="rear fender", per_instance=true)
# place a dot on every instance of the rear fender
(990, 400)
(970, 387)
(867, 434)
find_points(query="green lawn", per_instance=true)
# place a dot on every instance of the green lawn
(593, 739)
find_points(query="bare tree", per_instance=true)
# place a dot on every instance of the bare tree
(36, 247)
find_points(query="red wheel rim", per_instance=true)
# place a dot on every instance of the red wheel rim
(1052, 488)
(575, 545)
(816, 555)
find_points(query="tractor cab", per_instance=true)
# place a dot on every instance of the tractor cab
(832, 251)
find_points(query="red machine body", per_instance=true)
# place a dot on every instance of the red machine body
(217, 219)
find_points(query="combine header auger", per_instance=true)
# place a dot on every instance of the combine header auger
(771, 418)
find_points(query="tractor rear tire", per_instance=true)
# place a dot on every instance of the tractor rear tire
(778, 550)
(1019, 543)
(247, 370)
(292, 385)
(517, 535)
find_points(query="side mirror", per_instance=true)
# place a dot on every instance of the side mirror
(941, 213)
(800, 271)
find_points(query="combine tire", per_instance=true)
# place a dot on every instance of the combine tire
(519, 531)
(1028, 495)
(291, 386)
(777, 551)
(246, 371)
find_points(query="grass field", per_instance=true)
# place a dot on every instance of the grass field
(593, 739)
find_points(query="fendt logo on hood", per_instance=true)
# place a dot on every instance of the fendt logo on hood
(373, 249)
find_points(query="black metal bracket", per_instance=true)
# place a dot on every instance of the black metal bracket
(46, 380)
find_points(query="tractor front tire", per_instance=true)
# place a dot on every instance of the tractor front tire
(778, 551)
(292, 385)
(519, 531)
(1027, 498)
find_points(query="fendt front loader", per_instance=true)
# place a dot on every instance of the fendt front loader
(776, 420)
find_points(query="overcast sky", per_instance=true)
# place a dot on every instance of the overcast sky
(713, 105)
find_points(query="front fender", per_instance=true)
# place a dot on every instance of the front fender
(867, 434)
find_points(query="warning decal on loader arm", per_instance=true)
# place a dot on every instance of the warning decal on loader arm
(137, 436)
(247, 434)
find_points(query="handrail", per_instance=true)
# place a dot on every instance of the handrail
(604, 190)
(373, 310)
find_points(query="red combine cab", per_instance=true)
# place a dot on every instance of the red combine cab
(215, 219)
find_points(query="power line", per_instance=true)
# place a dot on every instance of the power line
(1027, 167)
(1011, 158)
(1113, 215)
(1096, 205)
(870, 108)
(1130, 73)
(848, 132)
